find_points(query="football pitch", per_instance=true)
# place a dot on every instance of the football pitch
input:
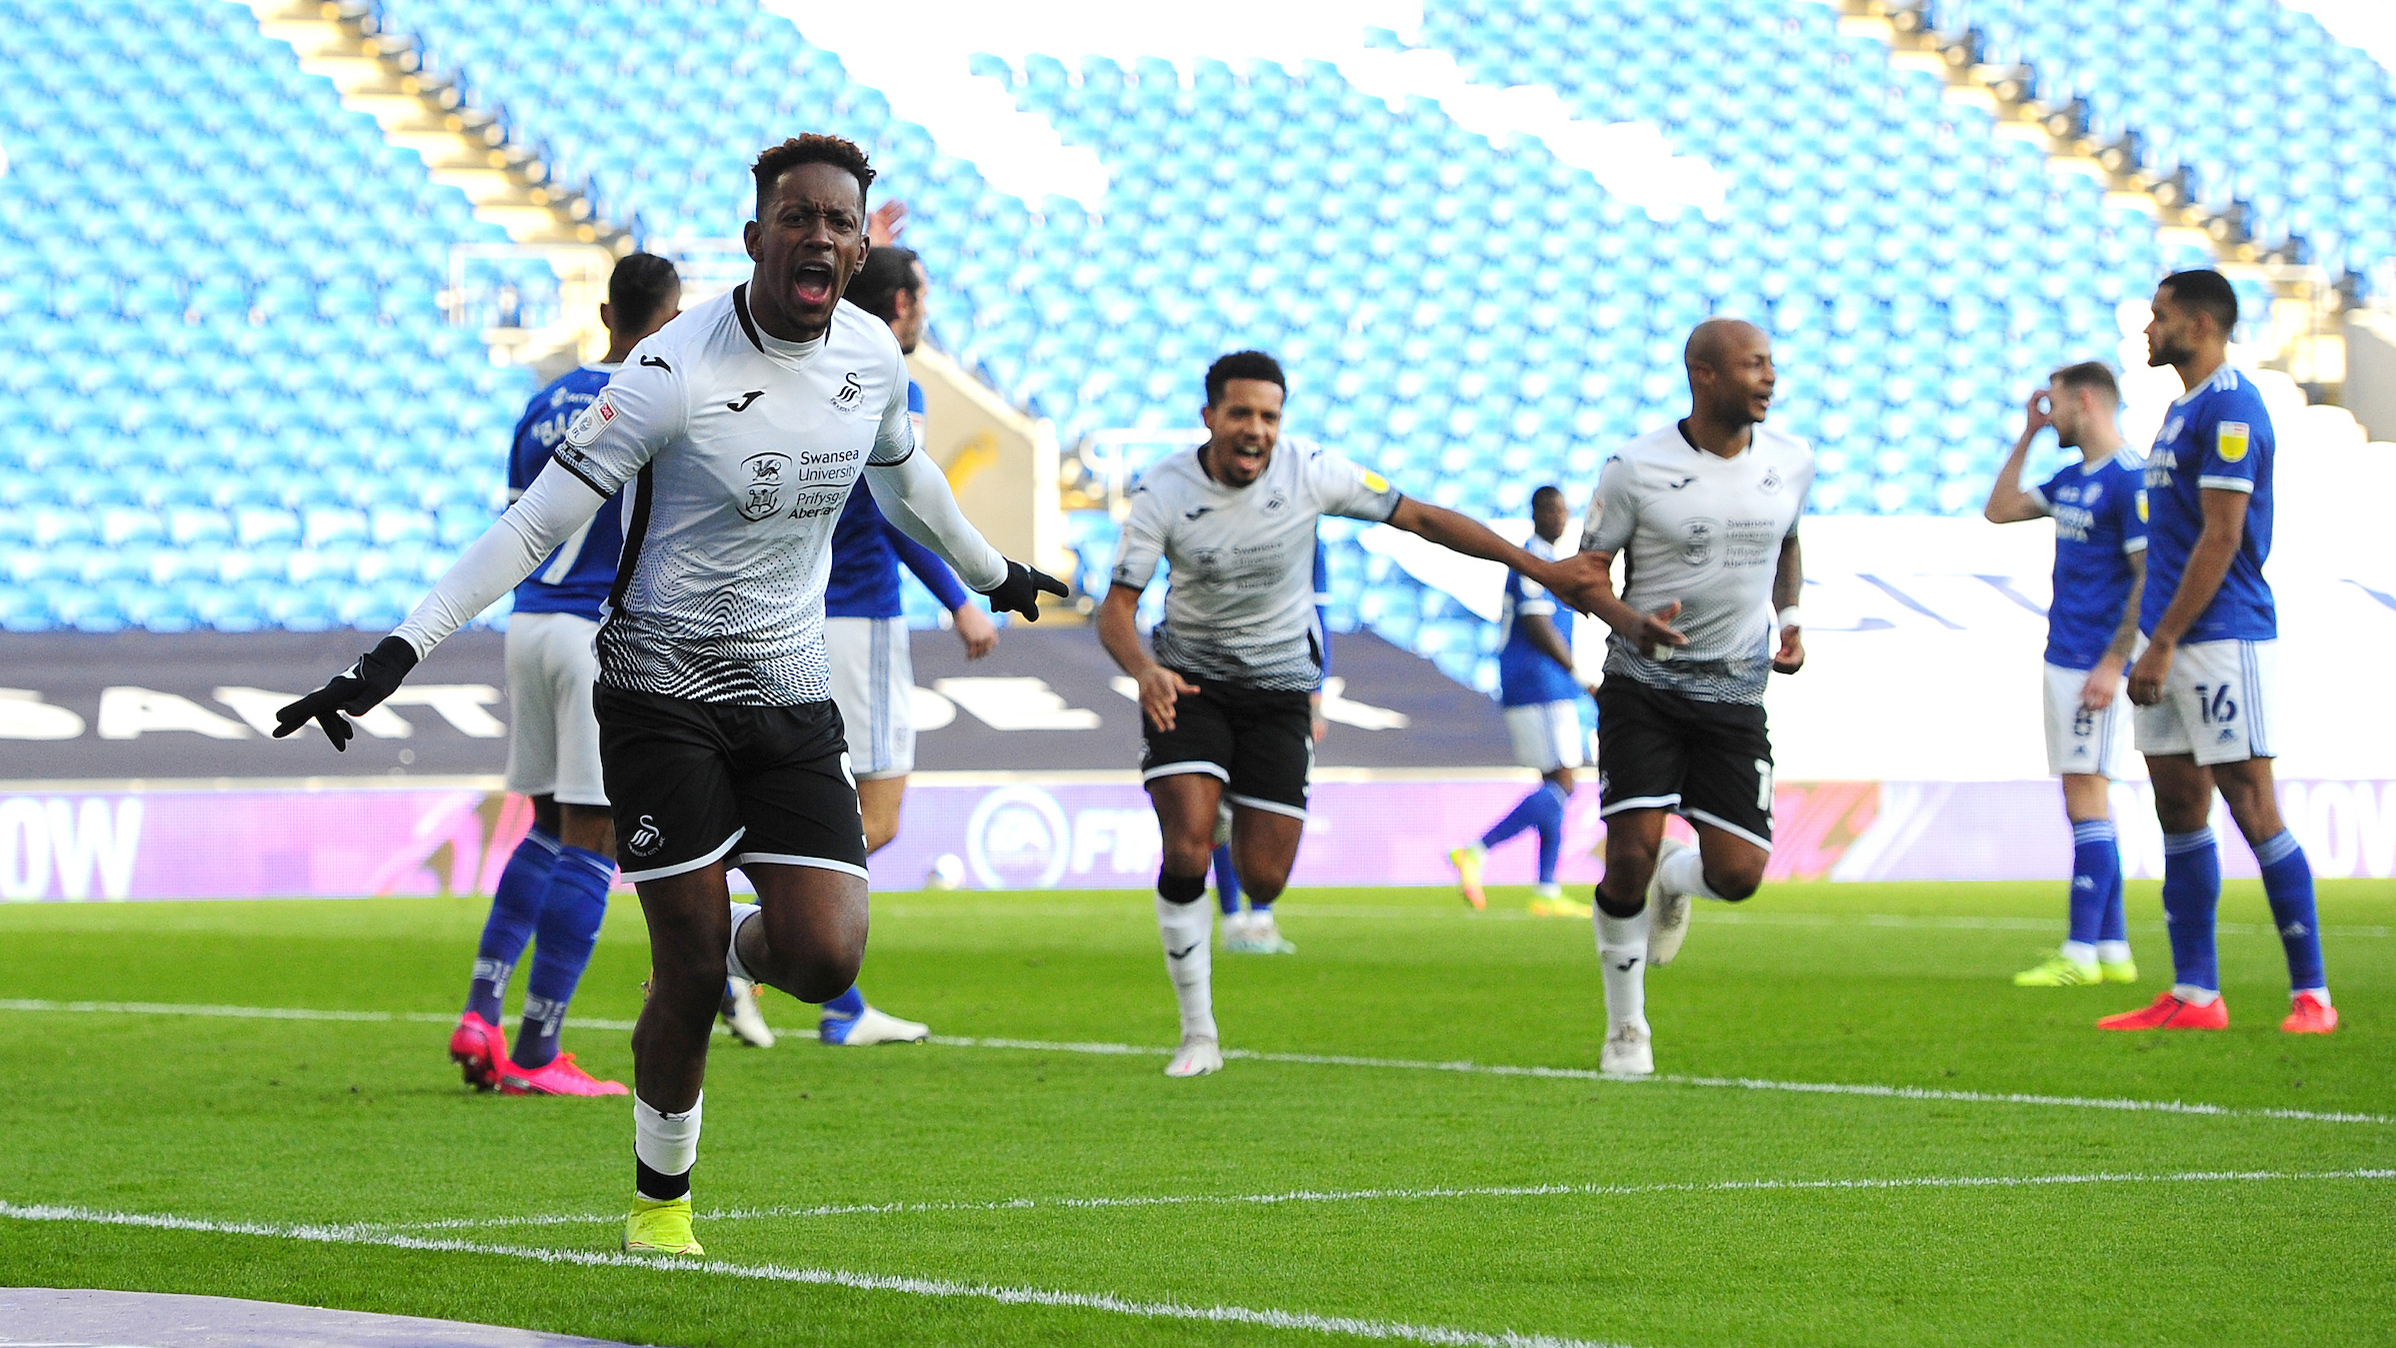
(1861, 1132)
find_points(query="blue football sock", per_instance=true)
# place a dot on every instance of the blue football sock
(515, 910)
(1227, 880)
(2288, 882)
(849, 1003)
(1526, 813)
(1551, 832)
(2116, 926)
(2096, 878)
(2191, 891)
(569, 927)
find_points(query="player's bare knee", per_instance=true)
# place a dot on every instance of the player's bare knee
(1735, 883)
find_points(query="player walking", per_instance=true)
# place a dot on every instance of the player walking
(556, 880)
(1542, 698)
(742, 426)
(1225, 698)
(2203, 686)
(2099, 509)
(1706, 510)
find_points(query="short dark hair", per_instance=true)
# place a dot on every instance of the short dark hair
(1242, 365)
(1544, 492)
(641, 286)
(2088, 374)
(886, 272)
(2206, 292)
(811, 149)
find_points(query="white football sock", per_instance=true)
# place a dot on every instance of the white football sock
(1188, 930)
(2321, 992)
(1684, 873)
(2080, 953)
(1622, 956)
(2194, 995)
(2113, 952)
(741, 912)
(666, 1143)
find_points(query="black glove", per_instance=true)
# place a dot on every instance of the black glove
(375, 677)
(1020, 592)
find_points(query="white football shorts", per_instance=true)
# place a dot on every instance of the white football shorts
(2216, 703)
(553, 736)
(873, 681)
(2080, 740)
(1546, 735)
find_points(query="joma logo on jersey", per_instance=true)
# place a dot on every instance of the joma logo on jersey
(763, 495)
(850, 391)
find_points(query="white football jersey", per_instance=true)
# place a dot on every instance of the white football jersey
(1239, 605)
(1704, 530)
(742, 449)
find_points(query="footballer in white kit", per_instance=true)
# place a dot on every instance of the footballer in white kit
(739, 429)
(1705, 514)
(1225, 698)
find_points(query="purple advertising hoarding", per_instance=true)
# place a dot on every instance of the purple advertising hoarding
(1029, 832)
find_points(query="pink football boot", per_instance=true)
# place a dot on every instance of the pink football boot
(479, 1048)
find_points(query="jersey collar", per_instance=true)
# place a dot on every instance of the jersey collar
(767, 344)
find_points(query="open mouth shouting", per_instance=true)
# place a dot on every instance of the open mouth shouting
(811, 287)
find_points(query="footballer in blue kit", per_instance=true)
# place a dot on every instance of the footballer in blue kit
(2092, 628)
(2203, 683)
(1541, 696)
(553, 891)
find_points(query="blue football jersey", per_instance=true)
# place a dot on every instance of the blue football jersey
(1527, 675)
(2217, 435)
(2099, 522)
(576, 577)
(867, 549)
(1322, 600)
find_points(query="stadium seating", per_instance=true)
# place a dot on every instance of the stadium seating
(232, 400)
(1473, 317)
(2254, 99)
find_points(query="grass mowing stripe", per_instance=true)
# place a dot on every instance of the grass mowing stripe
(1413, 1195)
(1667, 1079)
(1346, 1326)
(1866, 1090)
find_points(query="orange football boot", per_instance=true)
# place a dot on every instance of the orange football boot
(2308, 1014)
(2171, 1013)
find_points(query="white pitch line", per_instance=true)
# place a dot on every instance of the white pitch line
(1466, 1067)
(1414, 1195)
(1349, 1326)
(1668, 1079)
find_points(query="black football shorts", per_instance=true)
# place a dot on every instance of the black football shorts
(693, 783)
(1259, 742)
(1662, 750)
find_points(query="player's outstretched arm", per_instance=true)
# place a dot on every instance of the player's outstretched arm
(1577, 580)
(915, 496)
(2007, 502)
(1788, 583)
(557, 503)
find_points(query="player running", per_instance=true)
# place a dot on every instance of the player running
(2099, 509)
(1542, 698)
(1225, 699)
(1255, 932)
(742, 426)
(1706, 510)
(556, 880)
(2203, 685)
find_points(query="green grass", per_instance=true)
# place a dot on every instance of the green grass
(292, 1121)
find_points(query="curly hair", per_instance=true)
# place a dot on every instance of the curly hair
(1242, 365)
(777, 160)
